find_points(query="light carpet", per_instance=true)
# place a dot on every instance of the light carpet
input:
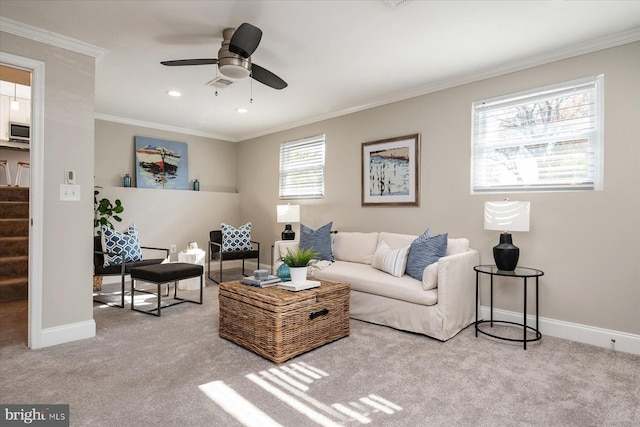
(174, 370)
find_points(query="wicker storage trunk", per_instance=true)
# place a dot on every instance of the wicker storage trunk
(279, 324)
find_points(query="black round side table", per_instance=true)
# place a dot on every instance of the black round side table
(521, 272)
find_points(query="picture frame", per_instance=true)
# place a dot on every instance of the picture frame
(391, 171)
(161, 164)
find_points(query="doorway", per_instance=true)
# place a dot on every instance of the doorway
(35, 69)
(15, 118)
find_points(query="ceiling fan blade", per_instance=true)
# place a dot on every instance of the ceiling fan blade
(179, 62)
(266, 77)
(245, 40)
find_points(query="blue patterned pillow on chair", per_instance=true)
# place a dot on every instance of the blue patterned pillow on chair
(236, 239)
(126, 243)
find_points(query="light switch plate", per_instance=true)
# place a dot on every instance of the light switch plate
(69, 193)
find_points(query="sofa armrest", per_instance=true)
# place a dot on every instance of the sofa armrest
(280, 249)
(457, 287)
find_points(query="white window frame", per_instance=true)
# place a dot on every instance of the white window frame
(533, 155)
(302, 168)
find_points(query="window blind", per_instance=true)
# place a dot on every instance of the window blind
(546, 139)
(302, 168)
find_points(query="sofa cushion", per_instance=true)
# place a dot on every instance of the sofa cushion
(425, 251)
(317, 240)
(395, 240)
(392, 261)
(430, 277)
(126, 243)
(355, 246)
(456, 246)
(364, 278)
(236, 239)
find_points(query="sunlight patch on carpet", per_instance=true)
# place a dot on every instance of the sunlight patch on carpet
(292, 385)
(236, 405)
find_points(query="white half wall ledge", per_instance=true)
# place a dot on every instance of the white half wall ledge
(605, 338)
(67, 333)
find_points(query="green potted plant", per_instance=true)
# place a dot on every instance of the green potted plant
(299, 261)
(105, 211)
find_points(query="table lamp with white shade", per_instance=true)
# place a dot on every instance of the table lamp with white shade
(506, 216)
(288, 214)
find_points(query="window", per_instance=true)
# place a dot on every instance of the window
(302, 168)
(542, 140)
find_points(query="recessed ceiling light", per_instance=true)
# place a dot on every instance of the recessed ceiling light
(174, 93)
(242, 110)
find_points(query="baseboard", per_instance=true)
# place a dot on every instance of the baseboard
(605, 338)
(67, 333)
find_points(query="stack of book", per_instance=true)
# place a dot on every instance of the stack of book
(269, 281)
(295, 287)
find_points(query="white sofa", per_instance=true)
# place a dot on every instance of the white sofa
(439, 306)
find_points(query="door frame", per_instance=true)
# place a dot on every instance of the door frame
(36, 199)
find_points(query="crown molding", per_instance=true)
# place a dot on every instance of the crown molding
(50, 38)
(614, 40)
(152, 125)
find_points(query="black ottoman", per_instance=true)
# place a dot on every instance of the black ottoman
(161, 274)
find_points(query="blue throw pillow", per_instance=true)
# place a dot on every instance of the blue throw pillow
(126, 243)
(236, 239)
(424, 251)
(317, 240)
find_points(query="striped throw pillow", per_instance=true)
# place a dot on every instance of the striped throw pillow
(423, 252)
(392, 261)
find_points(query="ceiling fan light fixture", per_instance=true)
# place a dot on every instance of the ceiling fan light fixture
(234, 71)
(242, 110)
(174, 93)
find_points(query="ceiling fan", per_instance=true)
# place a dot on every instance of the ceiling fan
(234, 57)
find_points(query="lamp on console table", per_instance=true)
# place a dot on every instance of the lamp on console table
(506, 216)
(288, 214)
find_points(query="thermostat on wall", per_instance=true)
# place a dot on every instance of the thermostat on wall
(69, 176)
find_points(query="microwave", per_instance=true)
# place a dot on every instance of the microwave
(19, 132)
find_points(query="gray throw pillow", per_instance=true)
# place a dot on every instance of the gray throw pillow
(423, 252)
(318, 240)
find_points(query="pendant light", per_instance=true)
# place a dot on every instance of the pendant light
(15, 105)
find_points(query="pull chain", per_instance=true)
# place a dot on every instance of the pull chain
(216, 80)
(251, 86)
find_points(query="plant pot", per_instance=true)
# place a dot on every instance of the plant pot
(298, 274)
(97, 283)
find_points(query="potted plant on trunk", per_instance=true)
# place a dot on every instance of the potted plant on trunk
(299, 261)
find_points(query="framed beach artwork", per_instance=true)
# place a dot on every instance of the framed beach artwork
(161, 164)
(390, 172)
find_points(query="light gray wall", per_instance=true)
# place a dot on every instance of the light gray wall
(587, 243)
(212, 161)
(166, 217)
(68, 138)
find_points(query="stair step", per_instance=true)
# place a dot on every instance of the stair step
(14, 246)
(14, 210)
(14, 266)
(14, 289)
(14, 227)
(14, 194)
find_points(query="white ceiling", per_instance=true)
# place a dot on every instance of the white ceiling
(336, 56)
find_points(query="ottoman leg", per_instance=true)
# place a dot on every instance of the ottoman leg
(159, 285)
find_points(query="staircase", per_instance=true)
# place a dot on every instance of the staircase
(14, 243)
